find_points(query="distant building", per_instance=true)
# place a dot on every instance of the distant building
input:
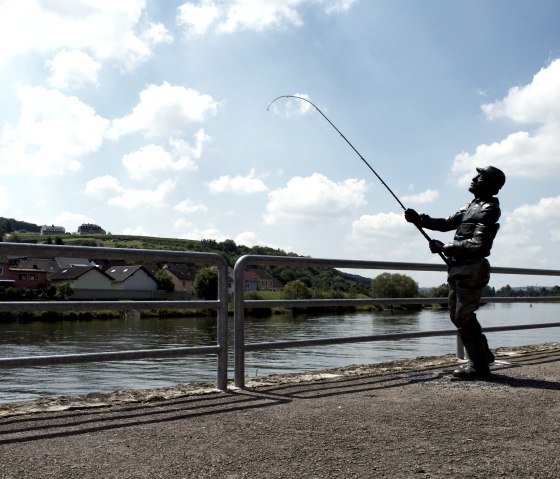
(20, 277)
(88, 282)
(52, 230)
(134, 277)
(182, 276)
(90, 229)
(256, 279)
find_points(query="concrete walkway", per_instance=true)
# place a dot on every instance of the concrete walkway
(398, 424)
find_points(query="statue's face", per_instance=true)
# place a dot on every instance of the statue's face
(480, 185)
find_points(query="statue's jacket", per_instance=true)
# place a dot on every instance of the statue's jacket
(476, 226)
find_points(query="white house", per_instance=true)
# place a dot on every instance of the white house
(84, 280)
(131, 278)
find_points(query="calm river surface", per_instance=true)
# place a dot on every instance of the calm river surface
(65, 337)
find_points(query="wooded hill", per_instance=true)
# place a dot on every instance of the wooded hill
(322, 279)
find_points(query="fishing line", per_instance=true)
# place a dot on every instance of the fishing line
(361, 158)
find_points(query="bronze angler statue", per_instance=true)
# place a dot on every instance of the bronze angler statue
(476, 225)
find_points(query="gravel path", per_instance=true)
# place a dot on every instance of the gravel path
(405, 420)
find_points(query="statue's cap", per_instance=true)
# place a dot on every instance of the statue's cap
(495, 175)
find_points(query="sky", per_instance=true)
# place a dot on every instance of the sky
(152, 118)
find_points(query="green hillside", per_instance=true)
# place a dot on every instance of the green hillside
(323, 279)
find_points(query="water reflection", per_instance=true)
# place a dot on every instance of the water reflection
(66, 337)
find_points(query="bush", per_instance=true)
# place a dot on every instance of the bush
(205, 284)
(394, 285)
(296, 290)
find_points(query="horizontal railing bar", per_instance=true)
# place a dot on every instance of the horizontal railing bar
(337, 302)
(50, 251)
(385, 265)
(525, 271)
(517, 327)
(30, 361)
(522, 299)
(105, 305)
(23, 306)
(344, 340)
(339, 263)
(303, 303)
(381, 337)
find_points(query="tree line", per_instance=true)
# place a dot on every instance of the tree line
(313, 282)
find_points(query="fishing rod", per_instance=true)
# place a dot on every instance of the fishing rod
(361, 158)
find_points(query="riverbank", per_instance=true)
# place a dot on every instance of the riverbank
(403, 421)
(131, 396)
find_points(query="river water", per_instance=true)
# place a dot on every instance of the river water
(66, 337)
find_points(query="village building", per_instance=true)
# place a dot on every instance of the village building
(182, 275)
(88, 282)
(90, 229)
(52, 230)
(132, 278)
(256, 279)
(20, 276)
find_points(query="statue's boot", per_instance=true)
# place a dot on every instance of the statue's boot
(478, 367)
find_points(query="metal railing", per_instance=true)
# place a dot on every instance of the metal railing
(240, 303)
(128, 254)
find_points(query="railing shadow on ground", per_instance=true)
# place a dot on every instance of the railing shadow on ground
(23, 429)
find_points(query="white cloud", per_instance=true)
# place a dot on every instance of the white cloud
(241, 185)
(247, 238)
(136, 231)
(197, 18)
(228, 16)
(372, 227)
(130, 199)
(72, 70)
(537, 102)
(165, 110)
(109, 189)
(102, 186)
(313, 199)
(152, 159)
(189, 206)
(528, 229)
(519, 154)
(156, 33)
(107, 29)
(427, 196)
(53, 133)
(260, 14)
(387, 237)
(191, 232)
(185, 153)
(530, 153)
(146, 161)
(547, 209)
(4, 200)
(334, 6)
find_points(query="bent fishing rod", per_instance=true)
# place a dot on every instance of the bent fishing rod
(361, 158)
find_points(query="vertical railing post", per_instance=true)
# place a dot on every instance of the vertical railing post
(239, 323)
(222, 326)
(460, 348)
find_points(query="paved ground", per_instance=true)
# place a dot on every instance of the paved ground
(412, 422)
